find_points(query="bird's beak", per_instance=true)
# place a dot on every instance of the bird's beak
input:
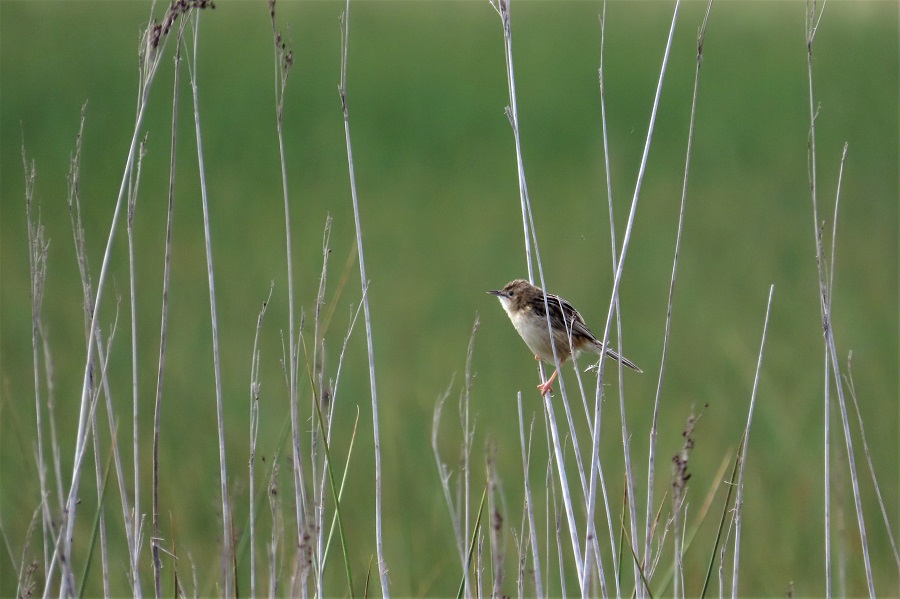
(497, 293)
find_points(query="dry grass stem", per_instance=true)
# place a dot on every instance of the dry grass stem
(529, 502)
(739, 500)
(342, 90)
(227, 548)
(832, 367)
(651, 460)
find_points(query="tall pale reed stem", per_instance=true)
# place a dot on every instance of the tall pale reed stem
(651, 461)
(152, 49)
(629, 475)
(220, 418)
(342, 89)
(831, 359)
(739, 500)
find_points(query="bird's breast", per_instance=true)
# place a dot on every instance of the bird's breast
(533, 331)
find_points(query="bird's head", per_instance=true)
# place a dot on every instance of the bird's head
(516, 294)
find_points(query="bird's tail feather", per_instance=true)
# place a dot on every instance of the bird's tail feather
(610, 353)
(615, 356)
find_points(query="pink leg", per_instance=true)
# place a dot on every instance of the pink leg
(548, 386)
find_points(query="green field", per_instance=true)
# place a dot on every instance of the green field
(440, 212)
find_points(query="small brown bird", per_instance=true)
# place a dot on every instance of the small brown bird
(526, 308)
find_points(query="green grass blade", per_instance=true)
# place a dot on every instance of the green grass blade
(95, 529)
(712, 559)
(462, 583)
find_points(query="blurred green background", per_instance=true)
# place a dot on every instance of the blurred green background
(436, 175)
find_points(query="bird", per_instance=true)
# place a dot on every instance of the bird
(527, 309)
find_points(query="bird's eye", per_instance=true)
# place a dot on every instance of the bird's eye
(510, 293)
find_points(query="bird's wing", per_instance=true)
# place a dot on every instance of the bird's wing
(574, 322)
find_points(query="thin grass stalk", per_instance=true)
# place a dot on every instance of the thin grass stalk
(134, 546)
(254, 429)
(521, 553)
(444, 475)
(564, 488)
(688, 535)
(595, 457)
(334, 492)
(220, 419)
(96, 527)
(654, 561)
(464, 485)
(276, 533)
(651, 460)
(459, 510)
(512, 112)
(318, 476)
(739, 499)
(612, 229)
(629, 482)
(164, 319)
(51, 413)
(839, 482)
(24, 574)
(592, 552)
(834, 222)
(812, 25)
(679, 533)
(152, 45)
(548, 488)
(101, 512)
(259, 500)
(722, 553)
(379, 543)
(529, 502)
(103, 357)
(74, 206)
(591, 530)
(337, 376)
(503, 9)
(99, 526)
(810, 32)
(725, 510)
(609, 521)
(68, 582)
(340, 493)
(283, 62)
(591, 542)
(862, 431)
(854, 477)
(495, 532)
(637, 561)
(476, 534)
(37, 261)
(557, 528)
(326, 396)
(678, 544)
(468, 440)
(680, 476)
(549, 494)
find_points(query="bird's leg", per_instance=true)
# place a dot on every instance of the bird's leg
(538, 358)
(547, 387)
